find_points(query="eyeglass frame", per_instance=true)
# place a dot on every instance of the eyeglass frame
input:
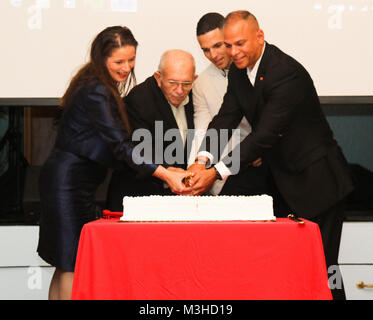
(185, 85)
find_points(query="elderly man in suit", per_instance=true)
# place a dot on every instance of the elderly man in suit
(208, 92)
(309, 174)
(160, 111)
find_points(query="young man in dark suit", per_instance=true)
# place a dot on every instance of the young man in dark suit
(306, 167)
(160, 111)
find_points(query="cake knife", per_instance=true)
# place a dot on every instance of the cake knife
(294, 218)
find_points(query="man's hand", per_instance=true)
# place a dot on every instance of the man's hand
(202, 181)
(199, 164)
(195, 167)
(176, 169)
(173, 177)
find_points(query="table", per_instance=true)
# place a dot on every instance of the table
(228, 260)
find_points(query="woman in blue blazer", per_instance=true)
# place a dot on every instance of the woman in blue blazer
(93, 136)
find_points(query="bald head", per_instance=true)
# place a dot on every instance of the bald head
(176, 58)
(175, 75)
(235, 16)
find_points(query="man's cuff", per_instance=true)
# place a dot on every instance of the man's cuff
(206, 154)
(223, 170)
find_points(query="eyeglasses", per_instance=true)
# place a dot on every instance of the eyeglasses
(174, 84)
(186, 85)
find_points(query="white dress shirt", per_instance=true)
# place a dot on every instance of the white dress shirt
(208, 93)
(180, 117)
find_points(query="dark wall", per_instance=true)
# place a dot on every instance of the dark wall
(354, 134)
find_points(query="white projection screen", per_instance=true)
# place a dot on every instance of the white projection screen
(43, 42)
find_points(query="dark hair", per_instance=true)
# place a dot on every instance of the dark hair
(102, 47)
(210, 21)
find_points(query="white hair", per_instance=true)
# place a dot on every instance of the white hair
(172, 55)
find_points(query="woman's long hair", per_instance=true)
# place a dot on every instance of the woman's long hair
(102, 47)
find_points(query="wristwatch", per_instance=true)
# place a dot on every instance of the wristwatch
(217, 174)
(207, 162)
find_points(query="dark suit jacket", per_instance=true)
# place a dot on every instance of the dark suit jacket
(290, 132)
(145, 105)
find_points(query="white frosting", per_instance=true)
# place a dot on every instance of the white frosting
(202, 208)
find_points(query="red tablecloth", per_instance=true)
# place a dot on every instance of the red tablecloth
(200, 261)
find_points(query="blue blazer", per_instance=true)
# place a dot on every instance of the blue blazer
(92, 127)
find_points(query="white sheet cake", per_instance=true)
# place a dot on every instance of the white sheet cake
(200, 208)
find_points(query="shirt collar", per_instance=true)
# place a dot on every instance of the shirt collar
(224, 72)
(185, 102)
(252, 73)
(220, 72)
